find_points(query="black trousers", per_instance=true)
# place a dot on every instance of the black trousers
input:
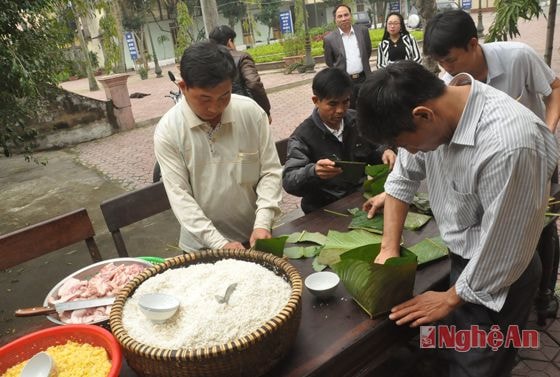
(480, 362)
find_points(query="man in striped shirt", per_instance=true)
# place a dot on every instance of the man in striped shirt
(488, 187)
(514, 68)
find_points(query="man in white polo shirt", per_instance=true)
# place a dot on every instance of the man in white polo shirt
(218, 161)
(348, 48)
(512, 67)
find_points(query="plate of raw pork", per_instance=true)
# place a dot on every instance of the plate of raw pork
(102, 279)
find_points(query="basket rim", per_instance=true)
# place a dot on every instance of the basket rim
(268, 328)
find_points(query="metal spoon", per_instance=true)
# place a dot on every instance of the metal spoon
(229, 291)
(40, 365)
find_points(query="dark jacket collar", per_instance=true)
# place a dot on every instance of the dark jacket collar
(349, 121)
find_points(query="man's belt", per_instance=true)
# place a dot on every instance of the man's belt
(356, 75)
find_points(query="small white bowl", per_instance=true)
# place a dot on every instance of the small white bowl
(322, 284)
(158, 307)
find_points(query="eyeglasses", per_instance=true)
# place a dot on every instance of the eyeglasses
(393, 23)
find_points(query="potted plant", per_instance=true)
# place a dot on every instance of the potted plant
(143, 72)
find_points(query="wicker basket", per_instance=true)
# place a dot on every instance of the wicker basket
(252, 355)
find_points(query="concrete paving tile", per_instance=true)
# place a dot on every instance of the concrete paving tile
(547, 351)
(531, 368)
(553, 331)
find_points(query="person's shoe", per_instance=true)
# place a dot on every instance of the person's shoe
(546, 305)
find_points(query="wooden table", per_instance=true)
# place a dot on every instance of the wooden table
(336, 337)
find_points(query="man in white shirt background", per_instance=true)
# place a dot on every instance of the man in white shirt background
(348, 48)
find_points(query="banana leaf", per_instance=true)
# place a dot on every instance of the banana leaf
(375, 287)
(375, 184)
(422, 203)
(273, 245)
(305, 236)
(339, 242)
(318, 267)
(360, 220)
(429, 250)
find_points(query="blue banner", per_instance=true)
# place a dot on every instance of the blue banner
(286, 24)
(466, 4)
(395, 6)
(131, 43)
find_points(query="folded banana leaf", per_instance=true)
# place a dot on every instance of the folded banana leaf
(375, 287)
(360, 220)
(375, 184)
(429, 250)
(339, 242)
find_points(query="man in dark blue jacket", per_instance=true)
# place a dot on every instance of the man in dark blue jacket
(328, 135)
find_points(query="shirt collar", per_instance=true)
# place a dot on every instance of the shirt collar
(465, 133)
(493, 62)
(194, 121)
(336, 133)
(350, 33)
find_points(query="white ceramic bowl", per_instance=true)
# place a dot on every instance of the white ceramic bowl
(158, 307)
(322, 284)
(87, 273)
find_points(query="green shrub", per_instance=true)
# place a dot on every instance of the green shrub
(274, 52)
(293, 45)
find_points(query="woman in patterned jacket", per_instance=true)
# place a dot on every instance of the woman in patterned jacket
(397, 43)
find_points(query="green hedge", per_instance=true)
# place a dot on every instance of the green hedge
(275, 52)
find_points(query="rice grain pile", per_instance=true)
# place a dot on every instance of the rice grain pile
(72, 360)
(201, 320)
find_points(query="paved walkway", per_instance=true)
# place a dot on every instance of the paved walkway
(128, 157)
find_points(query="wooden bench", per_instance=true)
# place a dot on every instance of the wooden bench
(131, 207)
(47, 236)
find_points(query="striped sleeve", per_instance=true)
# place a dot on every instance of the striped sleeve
(413, 52)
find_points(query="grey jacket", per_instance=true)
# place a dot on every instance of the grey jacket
(335, 56)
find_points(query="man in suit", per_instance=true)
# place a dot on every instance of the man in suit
(348, 48)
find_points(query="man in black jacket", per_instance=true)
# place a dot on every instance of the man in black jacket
(329, 134)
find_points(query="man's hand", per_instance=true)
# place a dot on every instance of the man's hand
(325, 169)
(259, 234)
(389, 157)
(374, 204)
(426, 308)
(233, 245)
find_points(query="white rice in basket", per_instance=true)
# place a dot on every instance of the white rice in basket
(201, 321)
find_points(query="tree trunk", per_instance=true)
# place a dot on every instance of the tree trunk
(551, 23)
(427, 8)
(89, 69)
(117, 13)
(209, 10)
